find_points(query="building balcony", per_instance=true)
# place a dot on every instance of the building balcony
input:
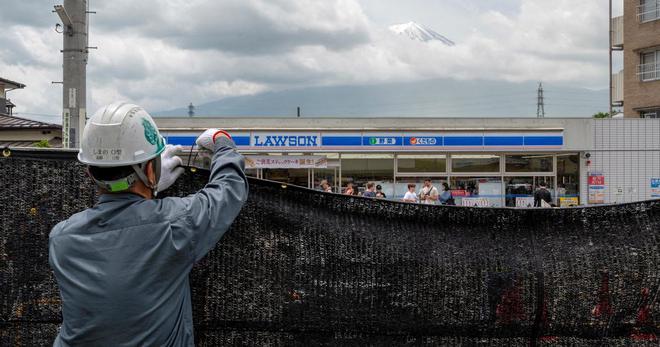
(617, 89)
(648, 72)
(648, 10)
(617, 33)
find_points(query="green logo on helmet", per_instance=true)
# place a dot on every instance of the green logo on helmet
(151, 134)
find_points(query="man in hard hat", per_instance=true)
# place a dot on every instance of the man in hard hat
(122, 266)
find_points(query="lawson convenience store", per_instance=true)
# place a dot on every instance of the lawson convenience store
(486, 162)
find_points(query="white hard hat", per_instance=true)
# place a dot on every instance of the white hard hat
(120, 134)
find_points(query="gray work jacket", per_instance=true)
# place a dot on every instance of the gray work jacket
(122, 266)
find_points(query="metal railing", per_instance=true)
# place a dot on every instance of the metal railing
(649, 72)
(648, 10)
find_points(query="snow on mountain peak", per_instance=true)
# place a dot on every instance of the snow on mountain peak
(419, 32)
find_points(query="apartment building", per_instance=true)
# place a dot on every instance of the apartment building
(637, 34)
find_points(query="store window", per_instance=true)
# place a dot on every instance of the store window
(477, 191)
(328, 174)
(401, 186)
(413, 163)
(360, 169)
(520, 190)
(475, 163)
(298, 177)
(528, 163)
(568, 176)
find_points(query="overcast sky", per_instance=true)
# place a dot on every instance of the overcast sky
(164, 54)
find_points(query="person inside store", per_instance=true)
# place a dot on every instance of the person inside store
(325, 186)
(349, 189)
(410, 195)
(542, 196)
(429, 193)
(379, 192)
(445, 197)
(369, 193)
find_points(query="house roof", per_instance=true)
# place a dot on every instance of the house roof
(13, 122)
(11, 84)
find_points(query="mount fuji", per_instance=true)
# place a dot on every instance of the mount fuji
(419, 32)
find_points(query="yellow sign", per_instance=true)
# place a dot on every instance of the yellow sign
(568, 202)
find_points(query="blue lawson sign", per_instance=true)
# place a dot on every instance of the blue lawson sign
(365, 140)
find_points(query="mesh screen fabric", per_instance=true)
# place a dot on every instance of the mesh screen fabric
(301, 267)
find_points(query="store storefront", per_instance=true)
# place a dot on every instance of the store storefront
(483, 168)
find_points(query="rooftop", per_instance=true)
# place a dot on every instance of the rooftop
(13, 122)
(11, 84)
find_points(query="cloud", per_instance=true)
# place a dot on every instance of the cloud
(244, 26)
(164, 55)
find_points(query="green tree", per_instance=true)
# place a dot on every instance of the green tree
(42, 144)
(602, 115)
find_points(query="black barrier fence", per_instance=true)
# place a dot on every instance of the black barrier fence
(300, 267)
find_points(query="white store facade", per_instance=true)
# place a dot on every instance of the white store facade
(485, 161)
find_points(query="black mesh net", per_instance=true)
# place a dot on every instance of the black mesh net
(300, 267)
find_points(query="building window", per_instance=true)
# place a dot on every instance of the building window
(650, 113)
(520, 190)
(477, 191)
(413, 163)
(649, 69)
(401, 186)
(529, 163)
(568, 176)
(475, 163)
(360, 169)
(648, 10)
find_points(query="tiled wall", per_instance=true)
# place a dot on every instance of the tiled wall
(627, 152)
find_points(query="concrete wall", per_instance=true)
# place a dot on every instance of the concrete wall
(638, 36)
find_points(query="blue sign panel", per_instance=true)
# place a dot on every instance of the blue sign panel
(464, 140)
(544, 140)
(341, 141)
(503, 140)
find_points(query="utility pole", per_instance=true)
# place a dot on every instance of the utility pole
(191, 110)
(540, 110)
(609, 49)
(73, 14)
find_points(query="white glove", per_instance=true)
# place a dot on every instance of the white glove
(205, 140)
(171, 167)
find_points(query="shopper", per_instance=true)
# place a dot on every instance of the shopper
(123, 265)
(542, 196)
(349, 189)
(325, 186)
(429, 193)
(410, 195)
(369, 193)
(445, 197)
(379, 192)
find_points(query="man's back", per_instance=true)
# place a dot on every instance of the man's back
(542, 194)
(122, 266)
